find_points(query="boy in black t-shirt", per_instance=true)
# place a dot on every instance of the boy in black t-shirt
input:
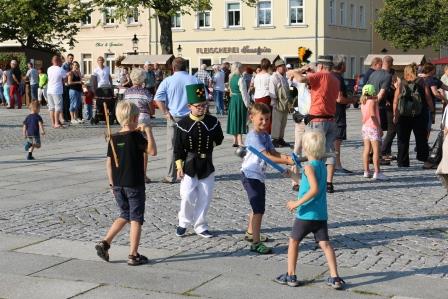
(127, 181)
(33, 125)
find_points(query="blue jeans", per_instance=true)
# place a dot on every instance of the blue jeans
(75, 99)
(34, 89)
(218, 97)
(88, 113)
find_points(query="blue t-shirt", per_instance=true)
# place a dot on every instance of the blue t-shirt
(254, 167)
(315, 208)
(31, 123)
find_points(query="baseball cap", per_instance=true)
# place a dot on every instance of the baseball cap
(368, 90)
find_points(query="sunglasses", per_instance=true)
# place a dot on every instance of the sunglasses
(200, 105)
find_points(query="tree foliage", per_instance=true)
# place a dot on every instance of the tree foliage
(414, 24)
(43, 24)
(164, 10)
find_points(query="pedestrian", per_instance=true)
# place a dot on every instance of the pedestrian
(2, 98)
(253, 174)
(372, 131)
(150, 83)
(218, 89)
(171, 98)
(375, 65)
(311, 213)
(33, 126)
(88, 101)
(239, 103)
(102, 80)
(281, 102)
(125, 78)
(43, 84)
(66, 66)
(5, 79)
(142, 98)
(74, 84)
(158, 73)
(33, 77)
(14, 81)
(55, 90)
(127, 180)
(196, 136)
(204, 77)
(261, 85)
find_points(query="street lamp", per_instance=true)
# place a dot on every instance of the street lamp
(135, 44)
(179, 51)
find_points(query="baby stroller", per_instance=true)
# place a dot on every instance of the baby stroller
(104, 95)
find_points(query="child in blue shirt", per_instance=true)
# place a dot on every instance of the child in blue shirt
(253, 173)
(33, 126)
(311, 211)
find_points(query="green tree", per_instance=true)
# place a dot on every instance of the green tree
(414, 24)
(164, 10)
(43, 24)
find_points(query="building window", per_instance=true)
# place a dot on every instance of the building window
(295, 12)
(206, 61)
(233, 14)
(362, 17)
(176, 21)
(204, 19)
(352, 15)
(133, 16)
(87, 20)
(361, 65)
(109, 18)
(332, 12)
(264, 13)
(86, 63)
(110, 62)
(342, 13)
(352, 67)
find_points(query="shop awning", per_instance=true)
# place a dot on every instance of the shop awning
(443, 60)
(250, 59)
(141, 59)
(398, 59)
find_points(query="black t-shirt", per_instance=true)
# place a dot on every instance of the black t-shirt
(381, 79)
(31, 123)
(341, 115)
(430, 82)
(130, 147)
(16, 72)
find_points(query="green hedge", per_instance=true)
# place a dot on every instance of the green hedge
(20, 57)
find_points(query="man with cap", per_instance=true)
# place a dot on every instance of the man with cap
(324, 88)
(196, 136)
(280, 102)
(150, 83)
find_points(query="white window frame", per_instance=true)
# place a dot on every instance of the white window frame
(111, 63)
(227, 14)
(178, 16)
(258, 13)
(199, 13)
(289, 13)
(332, 14)
(352, 15)
(131, 18)
(352, 67)
(342, 13)
(362, 16)
(89, 18)
(109, 19)
(86, 69)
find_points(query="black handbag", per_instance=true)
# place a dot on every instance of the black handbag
(298, 117)
(435, 152)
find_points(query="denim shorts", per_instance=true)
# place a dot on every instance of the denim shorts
(256, 191)
(131, 201)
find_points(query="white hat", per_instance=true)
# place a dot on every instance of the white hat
(147, 62)
(288, 66)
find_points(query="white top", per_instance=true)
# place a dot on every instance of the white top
(218, 80)
(102, 76)
(445, 118)
(261, 84)
(56, 76)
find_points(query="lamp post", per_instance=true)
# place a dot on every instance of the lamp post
(135, 44)
(179, 51)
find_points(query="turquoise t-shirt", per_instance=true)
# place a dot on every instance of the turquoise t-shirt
(315, 208)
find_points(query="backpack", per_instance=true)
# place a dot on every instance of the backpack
(410, 100)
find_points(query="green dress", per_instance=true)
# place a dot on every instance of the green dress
(237, 120)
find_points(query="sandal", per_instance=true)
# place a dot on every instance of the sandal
(250, 238)
(336, 283)
(102, 248)
(260, 248)
(285, 279)
(136, 260)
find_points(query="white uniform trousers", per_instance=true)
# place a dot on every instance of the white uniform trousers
(196, 196)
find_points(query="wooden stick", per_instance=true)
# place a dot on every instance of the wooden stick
(109, 134)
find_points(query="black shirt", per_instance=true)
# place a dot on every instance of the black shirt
(341, 115)
(129, 147)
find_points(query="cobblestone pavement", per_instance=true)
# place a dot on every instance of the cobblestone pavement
(391, 226)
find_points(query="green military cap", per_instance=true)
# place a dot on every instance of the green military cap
(195, 93)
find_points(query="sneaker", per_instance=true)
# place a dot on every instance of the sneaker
(330, 187)
(205, 234)
(276, 143)
(380, 176)
(285, 279)
(342, 171)
(80, 121)
(74, 122)
(27, 145)
(367, 175)
(283, 143)
(29, 157)
(260, 248)
(102, 248)
(336, 283)
(180, 231)
(136, 260)
(250, 238)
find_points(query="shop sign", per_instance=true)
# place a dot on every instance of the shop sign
(109, 44)
(234, 50)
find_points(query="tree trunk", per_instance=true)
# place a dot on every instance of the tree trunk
(166, 36)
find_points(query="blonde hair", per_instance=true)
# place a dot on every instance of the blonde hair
(313, 144)
(138, 76)
(126, 112)
(363, 99)
(410, 72)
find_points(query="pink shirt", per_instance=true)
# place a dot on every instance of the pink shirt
(365, 110)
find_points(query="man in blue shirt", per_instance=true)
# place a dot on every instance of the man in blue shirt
(171, 98)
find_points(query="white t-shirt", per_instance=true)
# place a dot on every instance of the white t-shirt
(261, 84)
(102, 76)
(218, 79)
(56, 76)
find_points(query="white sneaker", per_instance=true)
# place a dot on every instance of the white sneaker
(367, 175)
(380, 176)
(80, 121)
(74, 122)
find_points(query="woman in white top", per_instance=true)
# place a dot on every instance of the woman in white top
(102, 80)
(261, 85)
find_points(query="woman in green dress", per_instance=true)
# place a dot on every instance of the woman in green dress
(239, 103)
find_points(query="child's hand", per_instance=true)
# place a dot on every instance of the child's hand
(292, 205)
(294, 173)
(180, 173)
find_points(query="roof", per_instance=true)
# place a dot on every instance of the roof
(398, 59)
(141, 59)
(443, 60)
(250, 59)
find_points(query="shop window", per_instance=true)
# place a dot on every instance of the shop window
(133, 16)
(204, 19)
(110, 62)
(295, 12)
(206, 61)
(293, 61)
(176, 20)
(264, 13)
(342, 14)
(86, 64)
(233, 14)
